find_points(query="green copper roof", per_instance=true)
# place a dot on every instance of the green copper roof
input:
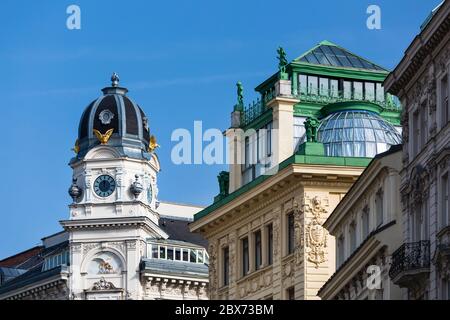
(327, 53)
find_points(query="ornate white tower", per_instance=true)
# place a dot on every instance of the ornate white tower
(114, 195)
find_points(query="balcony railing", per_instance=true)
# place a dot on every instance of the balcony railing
(410, 257)
(333, 96)
(252, 111)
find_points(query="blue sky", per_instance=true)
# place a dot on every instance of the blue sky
(179, 59)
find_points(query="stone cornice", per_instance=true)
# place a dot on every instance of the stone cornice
(113, 223)
(274, 189)
(422, 46)
(347, 272)
(45, 284)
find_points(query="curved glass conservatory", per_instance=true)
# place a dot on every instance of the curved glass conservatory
(356, 133)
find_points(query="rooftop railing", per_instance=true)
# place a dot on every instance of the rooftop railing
(258, 107)
(388, 102)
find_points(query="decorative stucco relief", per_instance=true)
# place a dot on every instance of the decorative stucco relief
(315, 233)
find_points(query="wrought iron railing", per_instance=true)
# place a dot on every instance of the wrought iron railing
(333, 96)
(258, 107)
(252, 111)
(409, 257)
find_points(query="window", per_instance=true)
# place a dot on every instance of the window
(185, 254)
(444, 101)
(247, 152)
(340, 249)
(258, 249)
(417, 223)
(303, 84)
(299, 131)
(334, 88)
(380, 92)
(352, 236)
(62, 258)
(192, 255)
(445, 201)
(170, 253)
(416, 133)
(347, 89)
(225, 266)
(245, 257)
(365, 222)
(290, 233)
(445, 289)
(369, 91)
(357, 90)
(323, 87)
(269, 244)
(162, 252)
(269, 139)
(379, 207)
(290, 293)
(178, 254)
(423, 126)
(312, 85)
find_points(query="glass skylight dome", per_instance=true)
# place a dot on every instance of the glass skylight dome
(356, 133)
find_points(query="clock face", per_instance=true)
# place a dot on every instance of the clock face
(104, 186)
(150, 194)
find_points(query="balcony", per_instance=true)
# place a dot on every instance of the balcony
(410, 264)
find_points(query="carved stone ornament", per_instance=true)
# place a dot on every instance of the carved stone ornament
(316, 235)
(102, 284)
(105, 268)
(299, 232)
(212, 267)
(316, 241)
(106, 116)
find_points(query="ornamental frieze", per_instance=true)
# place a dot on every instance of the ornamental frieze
(212, 267)
(255, 284)
(298, 231)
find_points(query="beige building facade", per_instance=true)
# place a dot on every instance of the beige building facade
(367, 225)
(421, 81)
(292, 161)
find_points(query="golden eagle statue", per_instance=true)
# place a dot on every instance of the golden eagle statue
(152, 145)
(76, 147)
(103, 138)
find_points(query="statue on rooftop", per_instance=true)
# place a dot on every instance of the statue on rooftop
(282, 60)
(311, 126)
(224, 183)
(240, 94)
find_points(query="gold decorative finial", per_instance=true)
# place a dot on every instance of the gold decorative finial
(103, 138)
(76, 147)
(153, 145)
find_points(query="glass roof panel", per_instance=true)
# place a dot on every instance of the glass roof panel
(335, 56)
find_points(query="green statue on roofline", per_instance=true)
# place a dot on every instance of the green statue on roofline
(224, 183)
(311, 126)
(282, 63)
(240, 93)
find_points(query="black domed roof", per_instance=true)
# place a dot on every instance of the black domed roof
(114, 110)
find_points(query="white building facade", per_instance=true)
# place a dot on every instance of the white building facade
(115, 244)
